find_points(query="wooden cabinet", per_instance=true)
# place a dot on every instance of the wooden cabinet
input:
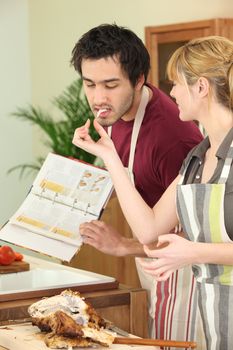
(162, 41)
(121, 268)
(125, 306)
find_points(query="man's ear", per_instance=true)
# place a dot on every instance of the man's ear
(140, 82)
(203, 86)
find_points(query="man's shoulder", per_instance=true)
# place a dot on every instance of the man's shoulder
(162, 115)
(161, 105)
(158, 94)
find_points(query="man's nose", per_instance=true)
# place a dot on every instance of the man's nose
(100, 96)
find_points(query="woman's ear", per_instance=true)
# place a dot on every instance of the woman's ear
(203, 86)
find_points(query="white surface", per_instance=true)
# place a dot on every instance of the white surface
(44, 279)
(47, 275)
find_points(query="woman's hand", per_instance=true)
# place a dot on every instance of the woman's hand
(103, 148)
(172, 252)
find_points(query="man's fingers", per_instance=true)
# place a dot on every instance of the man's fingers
(94, 225)
(98, 223)
(90, 241)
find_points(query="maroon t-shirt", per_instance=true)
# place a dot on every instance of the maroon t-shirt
(162, 145)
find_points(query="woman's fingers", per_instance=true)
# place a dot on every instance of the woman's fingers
(160, 269)
(163, 277)
(82, 133)
(99, 129)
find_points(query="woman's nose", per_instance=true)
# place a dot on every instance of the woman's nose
(172, 93)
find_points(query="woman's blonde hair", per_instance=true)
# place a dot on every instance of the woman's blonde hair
(210, 57)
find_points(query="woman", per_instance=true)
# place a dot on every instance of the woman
(200, 199)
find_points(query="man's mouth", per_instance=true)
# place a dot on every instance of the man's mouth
(102, 112)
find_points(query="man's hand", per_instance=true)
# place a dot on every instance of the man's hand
(102, 237)
(108, 240)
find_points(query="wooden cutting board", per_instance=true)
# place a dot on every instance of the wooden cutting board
(16, 266)
(25, 336)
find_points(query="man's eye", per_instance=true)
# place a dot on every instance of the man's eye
(111, 86)
(90, 85)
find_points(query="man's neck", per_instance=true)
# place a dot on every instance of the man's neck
(133, 111)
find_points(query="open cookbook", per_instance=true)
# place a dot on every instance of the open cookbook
(64, 194)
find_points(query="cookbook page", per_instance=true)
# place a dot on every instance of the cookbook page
(39, 243)
(64, 194)
(73, 183)
(51, 219)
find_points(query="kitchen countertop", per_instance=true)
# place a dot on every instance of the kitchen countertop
(45, 276)
(125, 306)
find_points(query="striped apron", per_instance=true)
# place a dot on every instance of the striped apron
(214, 282)
(172, 304)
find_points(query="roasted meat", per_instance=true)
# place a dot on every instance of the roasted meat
(69, 319)
(70, 303)
(60, 324)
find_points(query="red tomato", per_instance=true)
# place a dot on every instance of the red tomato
(7, 255)
(18, 256)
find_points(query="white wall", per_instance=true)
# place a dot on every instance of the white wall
(34, 61)
(56, 25)
(15, 136)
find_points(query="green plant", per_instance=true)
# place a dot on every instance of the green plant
(58, 134)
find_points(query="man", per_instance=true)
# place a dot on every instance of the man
(151, 141)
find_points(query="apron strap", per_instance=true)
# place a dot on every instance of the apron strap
(227, 165)
(136, 128)
(137, 125)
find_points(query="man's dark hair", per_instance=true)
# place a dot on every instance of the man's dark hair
(108, 40)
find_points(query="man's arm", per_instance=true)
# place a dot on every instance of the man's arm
(108, 240)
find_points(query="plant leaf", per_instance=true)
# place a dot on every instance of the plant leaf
(73, 111)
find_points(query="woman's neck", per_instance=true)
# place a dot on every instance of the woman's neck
(217, 122)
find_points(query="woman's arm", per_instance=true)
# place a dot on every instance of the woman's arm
(146, 223)
(174, 252)
(214, 253)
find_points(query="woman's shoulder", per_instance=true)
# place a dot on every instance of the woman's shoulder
(195, 154)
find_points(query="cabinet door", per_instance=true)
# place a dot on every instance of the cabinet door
(122, 268)
(162, 41)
